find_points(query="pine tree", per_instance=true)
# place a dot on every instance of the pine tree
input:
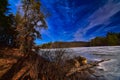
(29, 23)
(112, 40)
(6, 21)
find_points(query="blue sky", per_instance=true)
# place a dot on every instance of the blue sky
(77, 20)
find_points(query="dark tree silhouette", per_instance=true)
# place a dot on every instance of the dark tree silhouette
(7, 31)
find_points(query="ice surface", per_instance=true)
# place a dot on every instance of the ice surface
(110, 69)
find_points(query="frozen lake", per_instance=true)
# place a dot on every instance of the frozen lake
(109, 69)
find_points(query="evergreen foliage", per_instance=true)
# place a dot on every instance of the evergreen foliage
(7, 31)
(29, 23)
(111, 39)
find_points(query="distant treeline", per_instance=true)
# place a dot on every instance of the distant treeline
(64, 44)
(111, 39)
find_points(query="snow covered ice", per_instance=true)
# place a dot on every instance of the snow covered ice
(109, 69)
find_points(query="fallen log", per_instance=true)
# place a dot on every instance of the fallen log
(84, 67)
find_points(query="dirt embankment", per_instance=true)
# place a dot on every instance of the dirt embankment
(15, 66)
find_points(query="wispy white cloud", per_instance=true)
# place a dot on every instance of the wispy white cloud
(100, 16)
(47, 34)
(78, 36)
